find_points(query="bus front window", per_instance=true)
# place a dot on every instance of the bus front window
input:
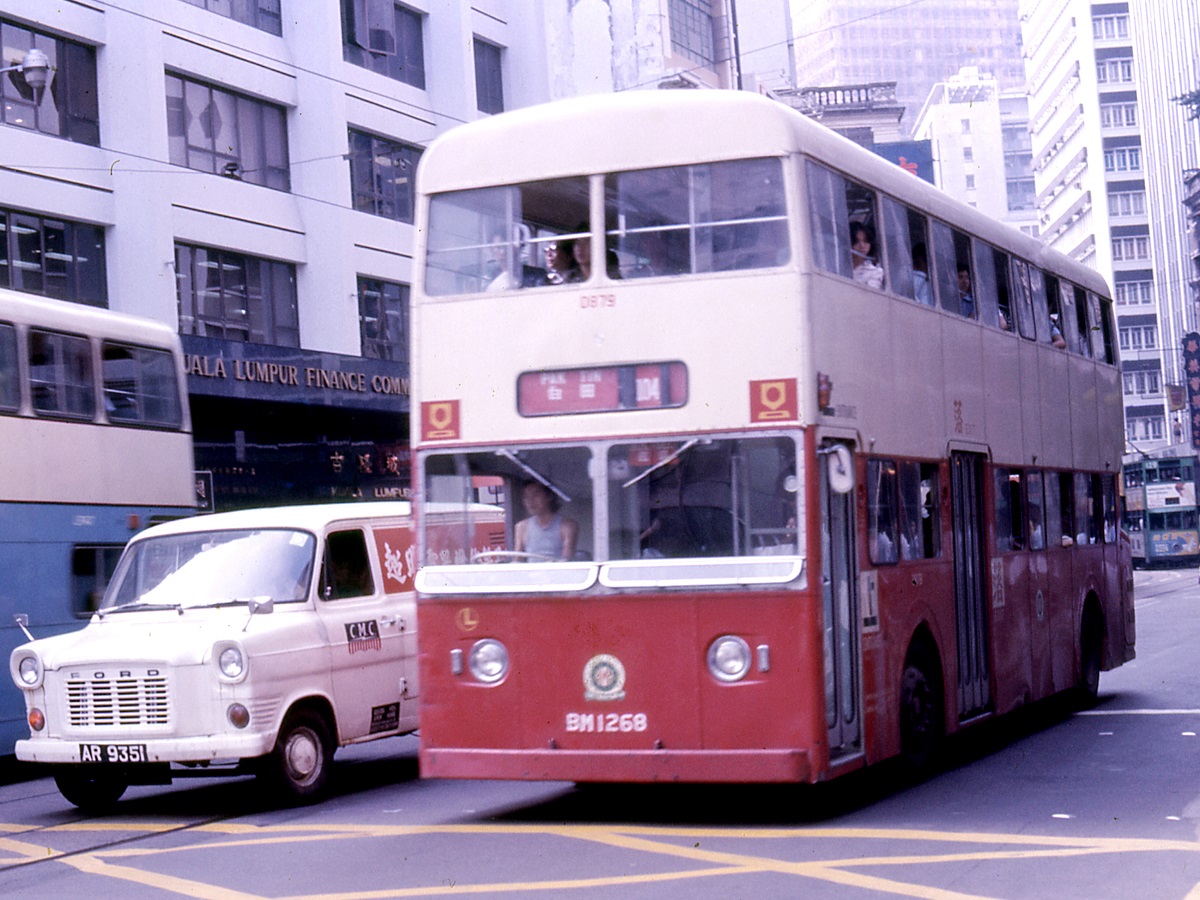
(528, 505)
(703, 497)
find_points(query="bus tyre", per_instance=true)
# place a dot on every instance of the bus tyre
(298, 767)
(90, 792)
(1091, 638)
(921, 719)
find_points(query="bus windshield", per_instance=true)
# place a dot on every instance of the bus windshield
(679, 498)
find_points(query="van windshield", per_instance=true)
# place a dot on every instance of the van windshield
(213, 568)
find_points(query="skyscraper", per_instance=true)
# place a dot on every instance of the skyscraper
(915, 43)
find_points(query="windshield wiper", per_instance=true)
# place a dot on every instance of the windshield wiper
(139, 606)
(687, 445)
(533, 473)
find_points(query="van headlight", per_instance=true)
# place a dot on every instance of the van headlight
(231, 661)
(729, 658)
(26, 670)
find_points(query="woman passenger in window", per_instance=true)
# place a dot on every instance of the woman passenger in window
(862, 244)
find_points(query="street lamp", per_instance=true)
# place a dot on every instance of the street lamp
(35, 69)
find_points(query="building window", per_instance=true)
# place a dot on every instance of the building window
(1123, 204)
(489, 82)
(53, 257)
(261, 14)
(381, 175)
(384, 37)
(235, 297)
(968, 154)
(965, 126)
(213, 130)
(1114, 71)
(1110, 28)
(1134, 293)
(693, 33)
(68, 106)
(1123, 159)
(383, 319)
(970, 182)
(1118, 115)
(1021, 194)
(1138, 337)
(1127, 248)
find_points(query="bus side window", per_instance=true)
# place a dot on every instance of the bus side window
(829, 220)
(1102, 318)
(1052, 291)
(1087, 525)
(10, 386)
(906, 249)
(60, 371)
(1035, 504)
(1066, 505)
(920, 528)
(1010, 517)
(1003, 290)
(1083, 326)
(1109, 489)
(986, 301)
(951, 252)
(1022, 299)
(1053, 510)
(882, 524)
(1047, 332)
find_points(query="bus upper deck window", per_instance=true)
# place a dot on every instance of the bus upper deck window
(497, 238)
(691, 219)
(10, 392)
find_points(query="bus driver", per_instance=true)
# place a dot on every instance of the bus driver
(547, 533)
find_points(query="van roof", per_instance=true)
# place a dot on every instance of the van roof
(314, 517)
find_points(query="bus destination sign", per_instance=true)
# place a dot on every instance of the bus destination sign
(606, 389)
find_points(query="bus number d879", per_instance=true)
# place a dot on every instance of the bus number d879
(606, 722)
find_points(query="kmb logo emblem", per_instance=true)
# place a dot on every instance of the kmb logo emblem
(439, 420)
(773, 401)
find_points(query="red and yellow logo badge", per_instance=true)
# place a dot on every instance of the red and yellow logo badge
(439, 420)
(774, 401)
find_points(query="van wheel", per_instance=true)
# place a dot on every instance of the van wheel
(921, 719)
(90, 792)
(298, 768)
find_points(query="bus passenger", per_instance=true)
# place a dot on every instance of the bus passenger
(547, 533)
(965, 298)
(560, 262)
(862, 242)
(1056, 335)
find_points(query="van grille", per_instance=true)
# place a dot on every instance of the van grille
(99, 701)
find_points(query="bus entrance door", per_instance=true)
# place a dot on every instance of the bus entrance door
(840, 599)
(970, 598)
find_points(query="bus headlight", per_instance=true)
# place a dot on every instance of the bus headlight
(231, 661)
(488, 661)
(27, 670)
(729, 658)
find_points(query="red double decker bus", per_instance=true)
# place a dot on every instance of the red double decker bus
(802, 464)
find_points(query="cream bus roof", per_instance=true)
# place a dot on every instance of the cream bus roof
(652, 128)
(31, 309)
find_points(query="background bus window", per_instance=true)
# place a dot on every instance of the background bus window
(1035, 502)
(92, 568)
(10, 383)
(920, 521)
(1022, 298)
(1010, 516)
(883, 539)
(60, 374)
(1109, 487)
(1053, 509)
(707, 218)
(496, 238)
(140, 385)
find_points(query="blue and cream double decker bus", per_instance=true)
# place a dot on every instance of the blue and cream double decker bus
(1160, 510)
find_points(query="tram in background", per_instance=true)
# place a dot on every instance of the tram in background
(97, 445)
(798, 511)
(1161, 515)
